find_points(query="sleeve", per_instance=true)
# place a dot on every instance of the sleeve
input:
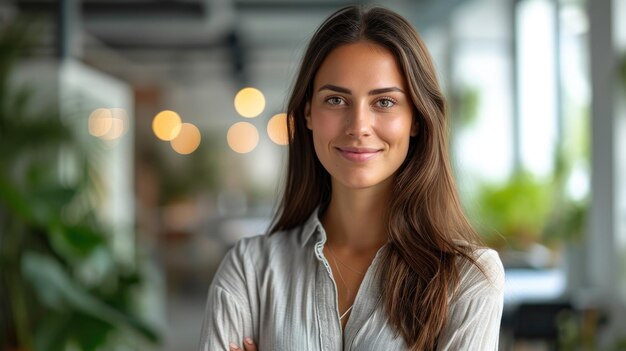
(227, 316)
(476, 308)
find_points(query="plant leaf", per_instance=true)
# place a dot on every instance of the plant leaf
(47, 275)
(76, 241)
(15, 200)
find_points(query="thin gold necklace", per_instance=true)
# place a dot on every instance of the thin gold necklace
(344, 282)
(345, 265)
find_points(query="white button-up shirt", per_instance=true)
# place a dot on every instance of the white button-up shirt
(279, 290)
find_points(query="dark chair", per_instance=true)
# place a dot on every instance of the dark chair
(537, 321)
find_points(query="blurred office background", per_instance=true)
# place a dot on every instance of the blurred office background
(140, 139)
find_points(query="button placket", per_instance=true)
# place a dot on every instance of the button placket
(328, 298)
(368, 303)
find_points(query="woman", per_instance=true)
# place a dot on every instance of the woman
(371, 249)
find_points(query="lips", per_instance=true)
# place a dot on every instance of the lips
(358, 154)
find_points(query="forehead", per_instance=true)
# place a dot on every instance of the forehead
(360, 65)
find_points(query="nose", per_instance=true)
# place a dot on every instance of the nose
(359, 121)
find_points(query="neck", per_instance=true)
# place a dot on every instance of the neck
(354, 220)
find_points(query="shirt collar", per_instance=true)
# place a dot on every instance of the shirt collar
(313, 228)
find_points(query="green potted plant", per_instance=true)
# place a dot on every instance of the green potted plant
(511, 215)
(61, 287)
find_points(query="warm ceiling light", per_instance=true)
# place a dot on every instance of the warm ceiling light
(166, 125)
(188, 140)
(119, 124)
(100, 121)
(277, 129)
(249, 102)
(242, 137)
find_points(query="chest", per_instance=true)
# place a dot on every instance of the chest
(302, 311)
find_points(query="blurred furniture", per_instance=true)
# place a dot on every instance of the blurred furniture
(533, 321)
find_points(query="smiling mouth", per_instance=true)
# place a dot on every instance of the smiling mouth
(358, 154)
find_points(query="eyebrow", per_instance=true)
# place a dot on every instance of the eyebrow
(371, 92)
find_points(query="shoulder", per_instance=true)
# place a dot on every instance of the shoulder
(482, 277)
(473, 321)
(259, 248)
(272, 241)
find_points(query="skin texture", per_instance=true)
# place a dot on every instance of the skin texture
(361, 121)
(349, 109)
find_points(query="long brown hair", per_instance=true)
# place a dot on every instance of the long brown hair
(425, 219)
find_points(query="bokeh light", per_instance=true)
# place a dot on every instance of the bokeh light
(249, 102)
(100, 121)
(277, 129)
(166, 125)
(242, 137)
(119, 124)
(187, 140)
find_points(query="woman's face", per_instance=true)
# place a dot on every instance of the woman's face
(360, 115)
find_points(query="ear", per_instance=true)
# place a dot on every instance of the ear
(307, 115)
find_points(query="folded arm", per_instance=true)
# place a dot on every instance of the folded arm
(227, 316)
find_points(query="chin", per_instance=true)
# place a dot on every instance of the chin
(356, 183)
